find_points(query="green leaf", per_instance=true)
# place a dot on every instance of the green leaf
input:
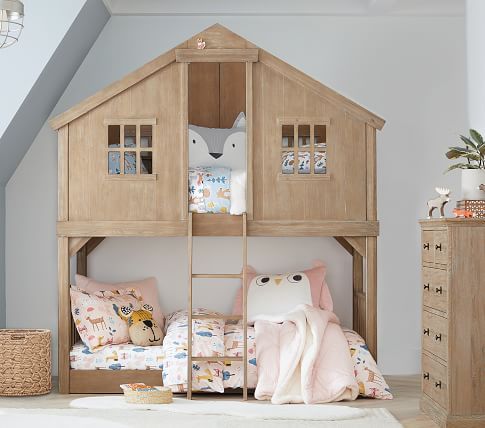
(457, 166)
(456, 152)
(472, 156)
(482, 150)
(468, 142)
(462, 166)
(477, 137)
(460, 149)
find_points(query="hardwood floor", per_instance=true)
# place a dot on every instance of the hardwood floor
(405, 406)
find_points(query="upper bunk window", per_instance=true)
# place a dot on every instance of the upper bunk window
(304, 139)
(130, 148)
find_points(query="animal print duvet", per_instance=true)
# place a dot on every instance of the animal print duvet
(117, 357)
(211, 337)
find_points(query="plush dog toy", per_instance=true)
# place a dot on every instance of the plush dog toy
(143, 329)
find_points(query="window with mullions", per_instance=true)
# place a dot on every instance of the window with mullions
(130, 147)
(305, 141)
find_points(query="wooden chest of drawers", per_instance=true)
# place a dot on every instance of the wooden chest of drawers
(453, 320)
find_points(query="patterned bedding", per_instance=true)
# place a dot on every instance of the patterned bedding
(212, 337)
(117, 357)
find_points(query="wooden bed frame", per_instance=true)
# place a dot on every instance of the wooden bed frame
(173, 90)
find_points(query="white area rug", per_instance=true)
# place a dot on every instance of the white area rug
(225, 414)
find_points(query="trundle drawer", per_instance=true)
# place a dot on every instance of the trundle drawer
(435, 381)
(435, 334)
(434, 246)
(435, 288)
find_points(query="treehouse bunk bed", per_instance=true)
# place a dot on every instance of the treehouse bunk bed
(124, 156)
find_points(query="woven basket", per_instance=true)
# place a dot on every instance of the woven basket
(25, 362)
(158, 396)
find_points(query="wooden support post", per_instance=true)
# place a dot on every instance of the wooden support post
(82, 261)
(359, 303)
(249, 140)
(184, 119)
(189, 304)
(64, 319)
(371, 296)
(81, 269)
(245, 307)
(64, 314)
(371, 244)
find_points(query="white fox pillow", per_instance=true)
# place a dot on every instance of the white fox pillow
(219, 147)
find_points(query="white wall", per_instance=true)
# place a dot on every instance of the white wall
(2, 257)
(410, 70)
(475, 37)
(21, 65)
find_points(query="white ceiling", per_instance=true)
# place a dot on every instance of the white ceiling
(287, 7)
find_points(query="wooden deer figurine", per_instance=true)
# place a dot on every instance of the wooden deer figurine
(439, 202)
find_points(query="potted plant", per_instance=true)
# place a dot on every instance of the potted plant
(472, 165)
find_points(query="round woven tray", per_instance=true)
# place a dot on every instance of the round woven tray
(25, 362)
(163, 396)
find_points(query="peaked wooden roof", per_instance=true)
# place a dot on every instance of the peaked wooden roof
(216, 37)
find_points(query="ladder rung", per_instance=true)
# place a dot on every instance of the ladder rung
(217, 358)
(217, 275)
(217, 317)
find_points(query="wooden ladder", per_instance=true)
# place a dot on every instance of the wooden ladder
(242, 317)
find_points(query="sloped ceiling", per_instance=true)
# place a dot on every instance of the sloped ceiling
(50, 83)
(287, 7)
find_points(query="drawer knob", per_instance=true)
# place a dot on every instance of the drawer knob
(426, 246)
(438, 384)
(426, 331)
(426, 286)
(439, 290)
(437, 337)
(437, 247)
(426, 376)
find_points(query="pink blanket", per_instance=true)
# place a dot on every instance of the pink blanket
(303, 357)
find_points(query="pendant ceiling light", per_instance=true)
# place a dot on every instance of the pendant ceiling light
(11, 21)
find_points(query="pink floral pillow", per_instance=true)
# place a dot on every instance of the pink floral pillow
(315, 277)
(96, 317)
(147, 287)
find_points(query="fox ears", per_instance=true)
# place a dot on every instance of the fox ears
(240, 121)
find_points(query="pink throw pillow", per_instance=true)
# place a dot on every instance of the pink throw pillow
(96, 316)
(147, 288)
(320, 294)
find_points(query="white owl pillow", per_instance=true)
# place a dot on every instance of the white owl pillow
(270, 295)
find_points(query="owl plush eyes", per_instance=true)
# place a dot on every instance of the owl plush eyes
(294, 278)
(262, 280)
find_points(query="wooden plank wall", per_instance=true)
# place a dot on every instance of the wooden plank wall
(217, 93)
(341, 194)
(92, 196)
